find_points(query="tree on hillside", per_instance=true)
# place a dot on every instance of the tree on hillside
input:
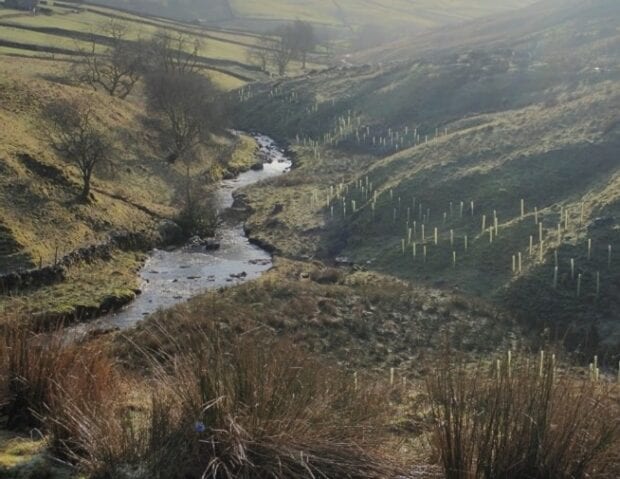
(173, 52)
(281, 50)
(289, 42)
(73, 133)
(303, 40)
(261, 54)
(116, 69)
(186, 107)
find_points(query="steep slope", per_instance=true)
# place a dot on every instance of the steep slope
(534, 118)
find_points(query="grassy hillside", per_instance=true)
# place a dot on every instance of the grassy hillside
(40, 218)
(341, 15)
(534, 118)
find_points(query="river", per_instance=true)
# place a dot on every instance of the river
(171, 277)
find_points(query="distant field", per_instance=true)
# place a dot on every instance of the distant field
(66, 30)
(423, 13)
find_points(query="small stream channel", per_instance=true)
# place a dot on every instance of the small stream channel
(171, 277)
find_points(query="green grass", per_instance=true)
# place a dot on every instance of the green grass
(87, 286)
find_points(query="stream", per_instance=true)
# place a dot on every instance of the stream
(172, 277)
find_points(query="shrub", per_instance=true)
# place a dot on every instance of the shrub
(521, 423)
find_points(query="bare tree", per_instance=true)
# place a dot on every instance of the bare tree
(303, 40)
(281, 49)
(186, 106)
(116, 69)
(73, 134)
(261, 55)
(289, 42)
(173, 52)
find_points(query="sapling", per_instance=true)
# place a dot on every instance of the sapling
(522, 208)
(461, 209)
(541, 251)
(519, 262)
(581, 213)
(589, 248)
(484, 223)
(471, 205)
(355, 382)
(414, 250)
(391, 376)
(435, 236)
(445, 216)
(490, 235)
(451, 238)
(514, 263)
(454, 259)
(595, 362)
(465, 242)
(423, 234)
(578, 284)
(496, 225)
(541, 363)
(555, 257)
(535, 215)
(509, 363)
(572, 268)
(540, 232)
(608, 256)
(555, 277)
(402, 245)
(598, 283)
(424, 253)
(531, 245)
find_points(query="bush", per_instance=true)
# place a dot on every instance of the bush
(197, 219)
(521, 423)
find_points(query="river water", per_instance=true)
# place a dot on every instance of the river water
(171, 277)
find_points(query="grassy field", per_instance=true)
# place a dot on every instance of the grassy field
(352, 13)
(68, 29)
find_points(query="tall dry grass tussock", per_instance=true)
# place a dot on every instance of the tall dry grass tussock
(235, 407)
(523, 421)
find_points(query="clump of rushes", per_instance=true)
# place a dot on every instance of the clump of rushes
(247, 407)
(519, 419)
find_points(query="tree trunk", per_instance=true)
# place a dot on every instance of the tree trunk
(85, 195)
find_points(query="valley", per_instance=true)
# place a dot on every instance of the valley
(230, 248)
